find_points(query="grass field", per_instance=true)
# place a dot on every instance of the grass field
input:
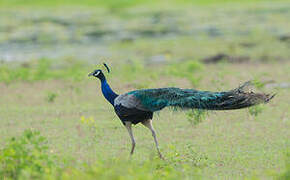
(63, 128)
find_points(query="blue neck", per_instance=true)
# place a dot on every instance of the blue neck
(108, 93)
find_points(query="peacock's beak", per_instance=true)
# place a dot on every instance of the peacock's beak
(92, 73)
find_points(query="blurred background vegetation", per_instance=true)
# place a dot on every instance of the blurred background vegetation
(55, 124)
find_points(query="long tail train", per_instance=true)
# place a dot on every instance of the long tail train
(157, 99)
(238, 98)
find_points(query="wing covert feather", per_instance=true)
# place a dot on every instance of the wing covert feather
(129, 101)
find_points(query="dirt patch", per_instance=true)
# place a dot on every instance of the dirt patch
(227, 58)
(247, 44)
(285, 38)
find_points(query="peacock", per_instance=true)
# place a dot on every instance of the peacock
(138, 106)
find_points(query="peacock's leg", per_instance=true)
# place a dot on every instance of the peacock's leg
(128, 125)
(148, 124)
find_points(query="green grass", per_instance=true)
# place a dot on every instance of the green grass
(28, 157)
(118, 3)
(80, 125)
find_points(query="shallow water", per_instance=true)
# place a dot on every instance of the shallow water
(89, 34)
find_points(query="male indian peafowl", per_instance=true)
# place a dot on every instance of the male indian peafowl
(139, 105)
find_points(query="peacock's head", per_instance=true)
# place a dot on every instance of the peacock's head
(98, 73)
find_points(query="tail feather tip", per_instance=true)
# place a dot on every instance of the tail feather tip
(269, 97)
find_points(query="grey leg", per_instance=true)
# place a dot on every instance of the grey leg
(148, 124)
(128, 125)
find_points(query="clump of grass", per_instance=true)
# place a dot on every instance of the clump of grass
(136, 70)
(26, 157)
(132, 70)
(51, 96)
(188, 156)
(258, 84)
(195, 158)
(195, 117)
(9, 74)
(43, 69)
(187, 69)
(255, 110)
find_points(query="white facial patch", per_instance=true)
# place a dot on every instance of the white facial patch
(97, 73)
